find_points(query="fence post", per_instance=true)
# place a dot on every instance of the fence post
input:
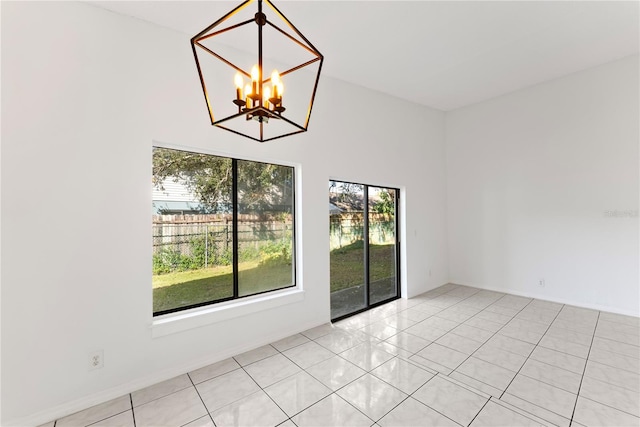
(206, 245)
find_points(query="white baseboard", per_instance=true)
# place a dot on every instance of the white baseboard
(104, 396)
(547, 298)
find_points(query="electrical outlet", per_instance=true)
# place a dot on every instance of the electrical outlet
(96, 360)
(541, 283)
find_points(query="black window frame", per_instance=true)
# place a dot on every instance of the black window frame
(235, 248)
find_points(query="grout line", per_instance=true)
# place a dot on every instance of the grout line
(583, 371)
(614, 367)
(422, 403)
(513, 408)
(612, 407)
(494, 334)
(408, 395)
(395, 406)
(202, 400)
(477, 380)
(607, 381)
(257, 360)
(538, 406)
(133, 412)
(618, 342)
(534, 349)
(438, 315)
(282, 379)
(476, 416)
(332, 391)
(349, 403)
(575, 394)
(561, 351)
(460, 323)
(554, 366)
(466, 386)
(544, 382)
(536, 415)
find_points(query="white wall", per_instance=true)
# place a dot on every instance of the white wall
(85, 92)
(530, 177)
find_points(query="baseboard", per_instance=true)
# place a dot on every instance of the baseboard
(131, 386)
(546, 298)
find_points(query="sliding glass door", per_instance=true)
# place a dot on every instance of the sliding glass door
(383, 250)
(364, 253)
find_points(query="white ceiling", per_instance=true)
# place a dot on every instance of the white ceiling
(442, 54)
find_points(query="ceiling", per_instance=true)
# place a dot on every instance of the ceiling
(442, 54)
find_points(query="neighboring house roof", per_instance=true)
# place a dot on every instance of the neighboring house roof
(173, 207)
(333, 209)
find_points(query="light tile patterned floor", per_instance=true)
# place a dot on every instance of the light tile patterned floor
(454, 356)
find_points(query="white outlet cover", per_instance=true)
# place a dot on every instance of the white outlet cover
(95, 360)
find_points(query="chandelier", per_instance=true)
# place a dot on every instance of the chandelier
(275, 79)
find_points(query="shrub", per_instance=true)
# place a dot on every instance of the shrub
(225, 257)
(167, 260)
(249, 253)
(170, 259)
(276, 252)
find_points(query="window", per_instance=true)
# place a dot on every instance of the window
(222, 229)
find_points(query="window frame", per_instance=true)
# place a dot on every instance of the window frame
(161, 317)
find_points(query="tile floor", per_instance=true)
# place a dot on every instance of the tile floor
(454, 356)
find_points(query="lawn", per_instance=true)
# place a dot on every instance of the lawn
(184, 288)
(347, 264)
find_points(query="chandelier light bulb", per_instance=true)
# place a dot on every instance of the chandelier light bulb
(255, 74)
(239, 82)
(275, 81)
(247, 93)
(267, 95)
(275, 77)
(255, 71)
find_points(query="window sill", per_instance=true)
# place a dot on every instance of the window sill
(203, 316)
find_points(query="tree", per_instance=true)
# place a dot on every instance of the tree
(386, 205)
(261, 186)
(264, 186)
(346, 195)
(209, 178)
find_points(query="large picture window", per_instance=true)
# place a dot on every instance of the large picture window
(222, 229)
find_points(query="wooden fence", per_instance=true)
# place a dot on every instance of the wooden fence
(214, 233)
(347, 228)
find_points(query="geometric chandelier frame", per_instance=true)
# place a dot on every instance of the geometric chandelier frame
(260, 112)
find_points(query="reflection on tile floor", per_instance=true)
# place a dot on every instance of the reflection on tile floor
(454, 356)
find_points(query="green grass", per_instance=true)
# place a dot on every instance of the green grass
(347, 264)
(169, 279)
(184, 288)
